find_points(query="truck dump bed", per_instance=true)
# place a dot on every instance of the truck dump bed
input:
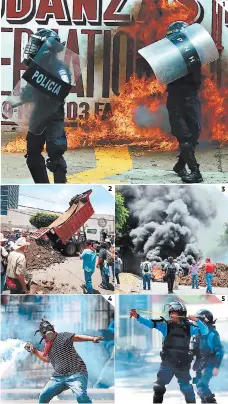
(69, 222)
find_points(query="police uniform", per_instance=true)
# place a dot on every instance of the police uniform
(48, 118)
(176, 359)
(184, 109)
(170, 275)
(209, 356)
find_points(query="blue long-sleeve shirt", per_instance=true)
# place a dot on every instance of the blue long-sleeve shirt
(162, 326)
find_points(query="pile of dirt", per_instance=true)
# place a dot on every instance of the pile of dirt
(49, 287)
(40, 257)
(220, 278)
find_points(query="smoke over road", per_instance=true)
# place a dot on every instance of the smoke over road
(166, 220)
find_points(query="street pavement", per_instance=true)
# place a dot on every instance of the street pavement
(119, 164)
(68, 277)
(130, 283)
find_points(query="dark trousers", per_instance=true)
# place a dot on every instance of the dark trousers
(164, 377)
(56, 145)
(185, 121)
(170, 282)
(203, 378)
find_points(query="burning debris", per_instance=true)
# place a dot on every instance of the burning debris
(165, 220)
(121, 127)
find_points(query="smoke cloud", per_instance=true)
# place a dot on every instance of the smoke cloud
(167, 220)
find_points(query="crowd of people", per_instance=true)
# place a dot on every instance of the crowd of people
(108, 262)
(172, 271)
(14, 275)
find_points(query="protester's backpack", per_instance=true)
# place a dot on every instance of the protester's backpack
(146, 267)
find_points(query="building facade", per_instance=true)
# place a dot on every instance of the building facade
(9, 198)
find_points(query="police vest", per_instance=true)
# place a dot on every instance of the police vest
(175, 348)
(171, 269)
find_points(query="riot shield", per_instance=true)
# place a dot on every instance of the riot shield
(177, 55)
(41, 92)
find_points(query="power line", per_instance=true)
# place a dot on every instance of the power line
(40, 199)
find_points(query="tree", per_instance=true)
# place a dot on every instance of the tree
(41, 219)
(121, 211)
(224, 237)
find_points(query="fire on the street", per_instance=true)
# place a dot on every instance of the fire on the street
(120, 128)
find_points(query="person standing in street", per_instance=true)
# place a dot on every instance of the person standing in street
(209, 269)
(194, 273)
(102, 262)
(89, 263)
(117, 266)
(16, 272)
(177, 275)
(146, 269)
(4, 256)
(170, 272)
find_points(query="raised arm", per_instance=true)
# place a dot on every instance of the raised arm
(201, 327)
(84, 338)
(159, 325)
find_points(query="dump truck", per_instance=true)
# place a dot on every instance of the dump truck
(64, 233)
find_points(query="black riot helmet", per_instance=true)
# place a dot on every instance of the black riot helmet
(177, 307)
(170, 260)
(206, 316)
(46, 329)
(176, 27)
(37, 40)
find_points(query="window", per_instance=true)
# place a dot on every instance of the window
(91, 231)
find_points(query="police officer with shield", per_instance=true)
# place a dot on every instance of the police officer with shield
(176, 61)
(52, 130)
(175, 354)
(184, 109)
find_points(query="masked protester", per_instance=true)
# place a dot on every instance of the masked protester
(70, 371)
(209, 355)
(184, 109)
(52, 133)
(175, 354)
(170, 273)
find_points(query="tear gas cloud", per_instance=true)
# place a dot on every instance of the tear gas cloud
(67, 314)
(168, 220)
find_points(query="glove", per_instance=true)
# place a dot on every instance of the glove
(133, 313)
(97, 339)
(29, 347)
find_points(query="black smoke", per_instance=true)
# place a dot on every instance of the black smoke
(164, 220)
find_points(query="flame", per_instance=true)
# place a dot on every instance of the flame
(157, 272)
(120, 128)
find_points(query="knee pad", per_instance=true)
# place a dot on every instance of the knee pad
(57, 164)
(56, 147)
(159, 388)
(35, 160)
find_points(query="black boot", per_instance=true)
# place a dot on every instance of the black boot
(59, 177)
(210, 399)
(194, 177)
(179, 167)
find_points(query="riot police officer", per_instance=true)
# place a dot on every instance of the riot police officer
(184, 109)
(53, 133)
(209, 356)
(170, 272)
(175, 354)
